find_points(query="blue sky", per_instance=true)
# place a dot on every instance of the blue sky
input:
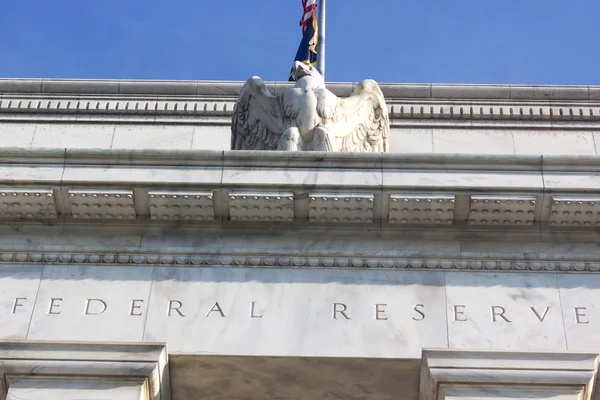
(462, 41)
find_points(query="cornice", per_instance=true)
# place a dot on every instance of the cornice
(211, 102)
(366, 190)
(232, 88)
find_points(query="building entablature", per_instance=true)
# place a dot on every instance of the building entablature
(367, 210)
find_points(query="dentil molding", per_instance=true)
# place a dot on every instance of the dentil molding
(83, 100)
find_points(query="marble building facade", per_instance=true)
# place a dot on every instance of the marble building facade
(141, 258)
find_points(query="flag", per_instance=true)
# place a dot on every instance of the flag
(307, 52)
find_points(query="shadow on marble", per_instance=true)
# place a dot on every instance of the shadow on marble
(290, 378)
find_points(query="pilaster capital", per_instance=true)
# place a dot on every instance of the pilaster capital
(453, 374)
(63, 370)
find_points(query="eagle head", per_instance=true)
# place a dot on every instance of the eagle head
(302, 70)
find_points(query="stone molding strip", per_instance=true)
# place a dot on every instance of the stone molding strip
(116, 258)
(136, 101)
(143, 109)
(232, 88)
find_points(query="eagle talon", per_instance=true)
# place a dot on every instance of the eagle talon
(290, 140)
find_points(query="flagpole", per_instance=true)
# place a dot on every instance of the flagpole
(322, 9)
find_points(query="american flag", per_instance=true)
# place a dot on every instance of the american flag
(307, 51)
(308, 6)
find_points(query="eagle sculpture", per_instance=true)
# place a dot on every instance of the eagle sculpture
(310, 117)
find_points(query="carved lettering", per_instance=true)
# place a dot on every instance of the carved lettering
(17, 304)
(216, 308)
(498, 311)
(459, 315)
(252, 314)
(580, 313)
(379, 313)
(178, 305)
(53, 305)
(87, 307)
(421, 315)
(540, 317)
(135, 306)
(337, 311)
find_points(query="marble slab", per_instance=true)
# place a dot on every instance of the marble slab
(19, 286)
(554, 142)
(212, 138)
(73, 136)
(290, 177)
(464, 180)
(91, 304)
(16, 134)
(579, 295)
(411, 140)
(469, 141)
(237, 309)
(504, 311)
(297, 312)
(153, 137)
(75, 174)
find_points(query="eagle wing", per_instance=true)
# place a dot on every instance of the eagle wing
(361, 123)
(258, 118)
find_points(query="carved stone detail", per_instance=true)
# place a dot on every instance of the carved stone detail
(147, 106)
(261, 206)
(501, 374)
(310, 117)
(101, 204)
(27, 203)
(485, 111)
(541, 265)
(575, 211)
(502, 210)
(344, 208)
(27, 368)
(435, 209)
(181, 205)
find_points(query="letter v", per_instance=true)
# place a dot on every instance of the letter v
(543, 316)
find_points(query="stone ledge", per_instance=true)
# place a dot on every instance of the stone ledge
(232, 88)
(324, 188)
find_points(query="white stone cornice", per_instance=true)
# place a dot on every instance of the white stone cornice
(213, 101)
(447, 374)
(232, 88)
(380, 191)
